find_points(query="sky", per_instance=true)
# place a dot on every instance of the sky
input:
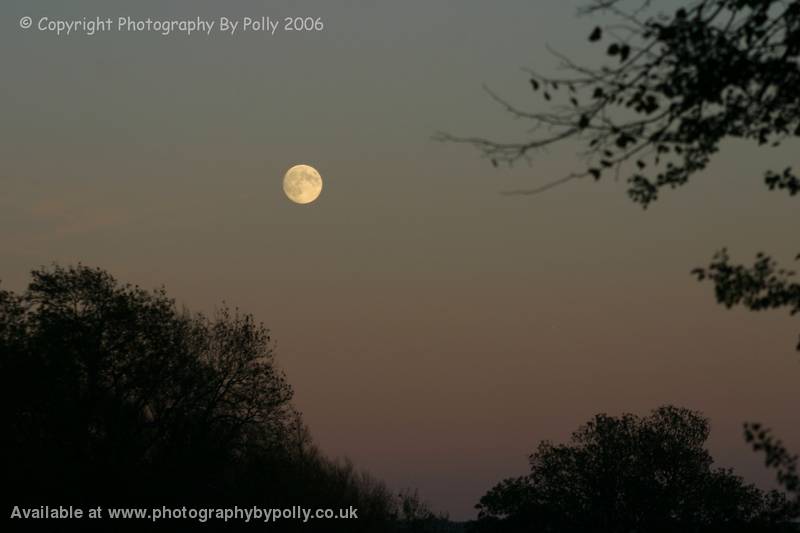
(434, 330)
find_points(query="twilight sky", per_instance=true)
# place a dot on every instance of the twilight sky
(434, 330)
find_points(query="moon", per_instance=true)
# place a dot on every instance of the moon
(302, 184)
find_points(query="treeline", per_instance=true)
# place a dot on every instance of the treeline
(633, 474)
(113, 396)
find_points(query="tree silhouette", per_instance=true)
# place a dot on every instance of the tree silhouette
(113, 378)
(416, 516)
(630, 473)
(676, 86)
(112, 396)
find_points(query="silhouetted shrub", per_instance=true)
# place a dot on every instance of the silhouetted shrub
(630, 473)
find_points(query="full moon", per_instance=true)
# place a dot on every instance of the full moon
(302, 184)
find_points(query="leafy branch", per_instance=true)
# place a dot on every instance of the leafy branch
(675, 86)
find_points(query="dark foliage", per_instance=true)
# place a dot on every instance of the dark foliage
(113, 397)
(760, 287)
(777, 456)
(675, 87)
(627, 474)
(414, 515)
